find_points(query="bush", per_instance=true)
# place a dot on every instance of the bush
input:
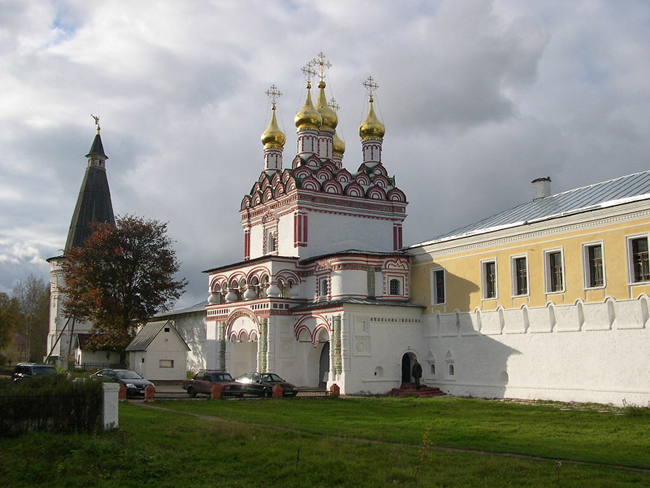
(50, 403)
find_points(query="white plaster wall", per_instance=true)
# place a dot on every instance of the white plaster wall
(350, 282)
(565, 354)
(379, 347)
(201, 337)
(331, 233)
(166, 346)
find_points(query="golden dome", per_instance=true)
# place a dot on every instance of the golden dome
(371, 128)
(338, 145)
(308, 117)
(273, 136)
(330, 120)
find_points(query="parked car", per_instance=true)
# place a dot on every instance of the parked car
(261, 384)
(205, 379)
(135, 384)
(23, 371)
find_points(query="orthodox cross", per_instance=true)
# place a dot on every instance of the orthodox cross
(335, 106)
(322, 65)
(309, 71)
(96, 122)
(371, 86)
(273, 93)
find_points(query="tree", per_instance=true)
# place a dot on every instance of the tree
(9, 316)
(33, 296)
(122, 276)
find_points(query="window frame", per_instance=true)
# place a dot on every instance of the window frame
(587, 268)
(435, 301)
(630, 259)
(484, 281)
(515, 275)
(547, 270)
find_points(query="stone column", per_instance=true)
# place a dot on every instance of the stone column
(263, 345)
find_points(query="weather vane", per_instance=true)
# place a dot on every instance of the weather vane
(96, 122)
(309, 71)
(273, 93)
(371, 86)
(322, 64)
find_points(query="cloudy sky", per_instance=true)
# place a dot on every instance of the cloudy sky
(478, 97)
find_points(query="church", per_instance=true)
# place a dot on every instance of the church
(547, 300)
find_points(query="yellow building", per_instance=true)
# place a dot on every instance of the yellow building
(545, 300)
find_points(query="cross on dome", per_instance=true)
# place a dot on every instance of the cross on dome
(309, 70)
(335, 106)
(371, 86)
(322, 65)
(273, 93)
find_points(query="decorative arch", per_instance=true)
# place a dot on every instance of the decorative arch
(257, 198)
(311, 183)
(333, 186)
(234, 315)
(324, 174)
(381, 181)
(245, 203)
(302, 172)
(343, 176)
(376, 193)
(278, 190)
(267, 195)
(320, 323)
(362, 179)
(396, 195)
(354, 190)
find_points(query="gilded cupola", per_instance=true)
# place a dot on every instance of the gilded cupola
(338, 145)
(308, 117)
(329, 118)
(273, 136)
(371, 128)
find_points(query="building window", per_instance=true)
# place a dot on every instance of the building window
(554, 272)
(640, 269)
(451, 370)
(432, 369)
(520, 276)
(166, 363)
(438, 287)
(395, 287)
(489, 271)
(594, 270)
(323, 288)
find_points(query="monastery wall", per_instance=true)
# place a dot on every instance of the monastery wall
(596, 352)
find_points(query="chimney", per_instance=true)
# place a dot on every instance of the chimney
(541, 188)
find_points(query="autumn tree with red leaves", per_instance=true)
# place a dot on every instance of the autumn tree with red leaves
(121, 277)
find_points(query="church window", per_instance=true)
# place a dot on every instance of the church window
(324, 288)
(639, 263)
(432, 369)
(520, 275)
(438, 286)
(451, 370)
(554, 268)
(395, 287)
(593, 265)
(489, 279)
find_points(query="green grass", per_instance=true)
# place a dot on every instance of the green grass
(333, 442)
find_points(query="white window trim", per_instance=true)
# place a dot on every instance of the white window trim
(484, 281)
(435, 303)
(513, 275)
(630, 258)
(585, 265)
(547, 278)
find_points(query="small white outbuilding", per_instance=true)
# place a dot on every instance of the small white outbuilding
(158, 352)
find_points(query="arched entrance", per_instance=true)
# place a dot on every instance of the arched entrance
(407, 366)
(324, 366)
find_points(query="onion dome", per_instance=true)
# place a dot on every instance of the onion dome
(308, 117)
(338, 147)
(330, 120)
(371, 128)
(273, 136)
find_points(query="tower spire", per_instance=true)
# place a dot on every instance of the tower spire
(94, 201)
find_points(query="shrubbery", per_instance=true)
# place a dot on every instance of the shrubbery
(50, 403)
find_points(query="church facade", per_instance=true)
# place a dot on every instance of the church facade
(548, 300)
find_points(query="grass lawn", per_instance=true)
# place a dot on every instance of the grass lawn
(355, 442)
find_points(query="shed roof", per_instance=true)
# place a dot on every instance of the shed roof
(149, 332)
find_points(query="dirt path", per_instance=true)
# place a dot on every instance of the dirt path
(212, 418)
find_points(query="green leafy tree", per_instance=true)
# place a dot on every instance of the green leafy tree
(122, 276)
(33, 296)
